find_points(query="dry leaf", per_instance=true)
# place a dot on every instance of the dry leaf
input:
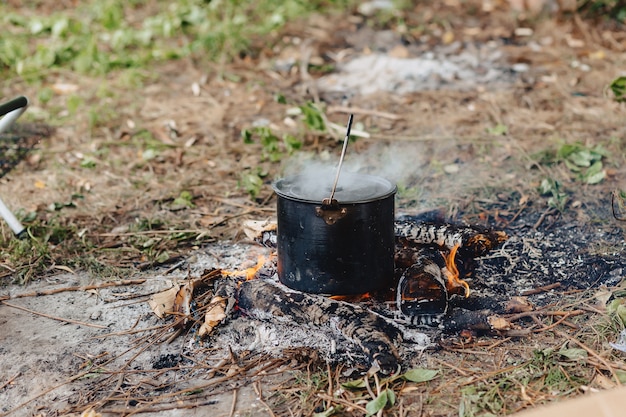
(64, 88)
(498, 323)
(64, 268)
(399, 51)
(254, 228)
(90, 412)
(518, 305)
(163, 302)
(215, 314)
(603, 382)
(448, 38)
(182, 302)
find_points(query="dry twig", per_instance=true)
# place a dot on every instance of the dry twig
(48, 316)
(366, 112)
(257, 389)
(539, 290)
(341, 401)
(233, 406)
(13, 378)
(75, 288)
(593, 353)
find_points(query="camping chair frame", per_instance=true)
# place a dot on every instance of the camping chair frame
(10, 112)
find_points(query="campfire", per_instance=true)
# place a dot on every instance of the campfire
(430, 261)
(343, 262)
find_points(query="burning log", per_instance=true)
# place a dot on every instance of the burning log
(427, 259)
(471, 241)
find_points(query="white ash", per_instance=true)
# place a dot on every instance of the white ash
(261, 332)
(456, 66)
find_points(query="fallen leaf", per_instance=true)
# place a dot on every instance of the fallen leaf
(64, 88)
(498, 323)
(603, 382)
(64, 268)
(163, 302)
(399, 51)
(182, 303)
(253, 229)
(518, 305)
(215, 314)
(420, 374)
(377, 403)
(354, 384)
(574, 354)
(448, 38)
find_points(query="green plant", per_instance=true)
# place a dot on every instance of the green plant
(616, 9)
(313, 117)
(557, 197)
(273, 148)
(251, 180)
(184, 199)
(584, 162)
(99, 37)
(385, 396)
(618, 87)
(498, 130)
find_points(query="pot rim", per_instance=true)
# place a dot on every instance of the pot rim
(278, 187)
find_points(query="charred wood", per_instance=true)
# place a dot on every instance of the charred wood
(480, 321)
(422, 295)
(374, 334)
(473, 241)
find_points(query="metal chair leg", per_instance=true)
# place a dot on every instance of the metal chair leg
(11, 111)
(11, 220)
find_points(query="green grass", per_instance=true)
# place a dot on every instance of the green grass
(99, 37)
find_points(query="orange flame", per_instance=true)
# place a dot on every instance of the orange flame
(352, 298)
(454, 281)
(249, 273)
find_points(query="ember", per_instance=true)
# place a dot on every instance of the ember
(352, 298)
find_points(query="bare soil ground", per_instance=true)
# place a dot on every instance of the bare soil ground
(449, 151)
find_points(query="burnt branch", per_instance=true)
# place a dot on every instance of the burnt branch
(473, 241)
(374, 334)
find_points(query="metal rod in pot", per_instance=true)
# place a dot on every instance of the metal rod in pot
(343, 154)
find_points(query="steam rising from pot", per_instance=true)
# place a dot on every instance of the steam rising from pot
(397, 162)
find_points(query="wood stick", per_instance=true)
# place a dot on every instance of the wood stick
(257, 388)
(342, 402)
(367, 112)
(514, 317)
(539, 290)
(13, 378)
(449, 365)
(490, 374)
(75, 288)
(97, 326)
(233, 405)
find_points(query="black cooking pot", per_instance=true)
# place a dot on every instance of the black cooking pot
(339, 247)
